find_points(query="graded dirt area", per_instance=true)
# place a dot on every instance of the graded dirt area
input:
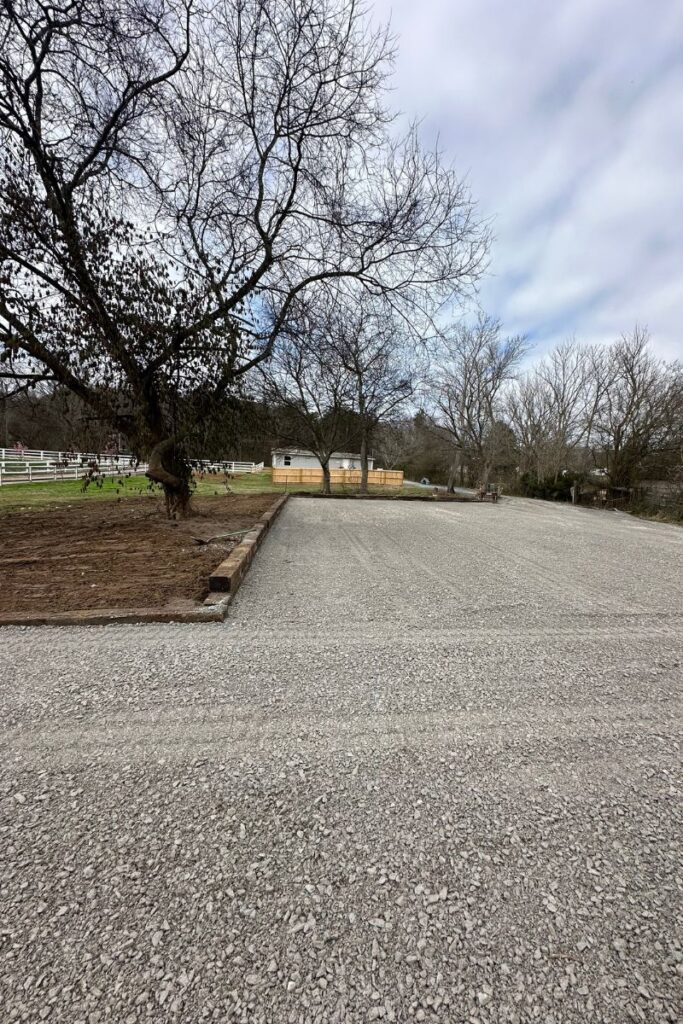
(428, 769)
(126, 554)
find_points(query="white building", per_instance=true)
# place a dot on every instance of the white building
(299, 458)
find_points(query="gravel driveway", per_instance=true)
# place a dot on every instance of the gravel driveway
(429, 770)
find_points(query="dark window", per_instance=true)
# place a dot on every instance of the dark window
(288, 460)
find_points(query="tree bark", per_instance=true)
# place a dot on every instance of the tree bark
(363, 489)
(327, 486)
(168, 466)
(455, 470)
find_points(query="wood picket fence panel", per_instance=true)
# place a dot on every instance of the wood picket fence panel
(293, 476)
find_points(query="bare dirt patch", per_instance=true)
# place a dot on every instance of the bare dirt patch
(122, 554)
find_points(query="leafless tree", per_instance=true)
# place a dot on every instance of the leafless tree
(552, 409)
(527, 411)
(175, 175)
(381, 361)
(639, 408)
(473, 367)
(306, 386)
(395, 442)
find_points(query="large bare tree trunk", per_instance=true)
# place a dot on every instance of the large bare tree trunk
(327, 484)
(455, 470)
(363, 489)
(169, 467)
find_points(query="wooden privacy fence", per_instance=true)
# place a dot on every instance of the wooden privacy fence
(291, 476)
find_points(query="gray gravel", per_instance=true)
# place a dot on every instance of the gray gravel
(428, 770)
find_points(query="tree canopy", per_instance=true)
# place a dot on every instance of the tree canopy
(174, 176)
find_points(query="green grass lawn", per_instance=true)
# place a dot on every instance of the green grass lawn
(18, 496)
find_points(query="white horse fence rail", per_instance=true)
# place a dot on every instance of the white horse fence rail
(226, 466)
(32, 465)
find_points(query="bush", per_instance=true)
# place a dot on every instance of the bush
(547, 488)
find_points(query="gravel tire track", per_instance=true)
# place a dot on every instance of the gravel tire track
(396, 785)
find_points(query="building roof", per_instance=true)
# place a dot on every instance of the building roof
(305, 451)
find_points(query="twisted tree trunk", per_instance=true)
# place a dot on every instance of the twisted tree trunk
(169, 467)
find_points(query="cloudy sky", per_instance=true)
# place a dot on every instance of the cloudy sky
(567, 117)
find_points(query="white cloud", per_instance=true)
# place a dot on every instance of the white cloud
(566, 117)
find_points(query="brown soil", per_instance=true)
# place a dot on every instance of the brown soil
(122, 554)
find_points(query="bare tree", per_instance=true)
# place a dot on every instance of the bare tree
(306, 386)
(552, 409)
(376, 351)
(527, 411)
(571, 395)
(473, 367)
(395, 442)
(175, 176)
(639, 407)
(615, 407)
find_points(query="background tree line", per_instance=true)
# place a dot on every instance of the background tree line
(216, 236)
(463, 408)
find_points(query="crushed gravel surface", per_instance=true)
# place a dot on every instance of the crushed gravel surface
(429, 770)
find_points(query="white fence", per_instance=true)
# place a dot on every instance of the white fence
(35, 475)
(206, 466)
(28, 466)
(34, 466)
